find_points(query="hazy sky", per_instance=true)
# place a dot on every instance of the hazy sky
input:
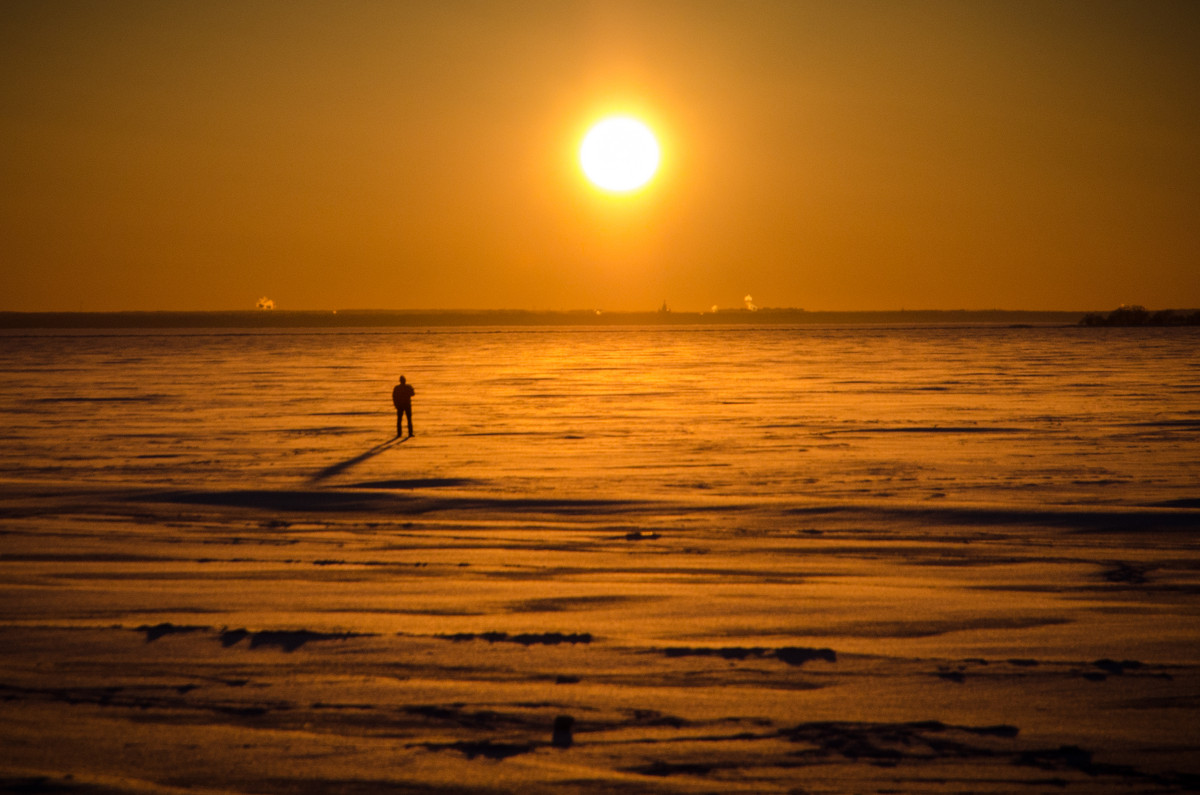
(405, 154)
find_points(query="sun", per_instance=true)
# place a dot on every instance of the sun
(619, 154)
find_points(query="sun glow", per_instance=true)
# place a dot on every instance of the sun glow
(619, 154)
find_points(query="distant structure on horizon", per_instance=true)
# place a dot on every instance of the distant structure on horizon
(265, 303)
(1135, 315)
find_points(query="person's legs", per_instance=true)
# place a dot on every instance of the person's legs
(407, 413)
(399, 422)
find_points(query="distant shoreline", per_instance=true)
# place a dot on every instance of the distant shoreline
(280, 318)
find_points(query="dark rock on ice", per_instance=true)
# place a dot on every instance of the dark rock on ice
(561, 738)
(157, 631)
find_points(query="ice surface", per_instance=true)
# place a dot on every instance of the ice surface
(755, 559)
(1043, 416)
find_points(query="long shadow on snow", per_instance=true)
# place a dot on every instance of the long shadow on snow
(338, 468)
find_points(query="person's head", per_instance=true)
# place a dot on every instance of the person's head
(402, 379)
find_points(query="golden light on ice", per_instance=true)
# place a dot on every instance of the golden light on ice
(619, 154)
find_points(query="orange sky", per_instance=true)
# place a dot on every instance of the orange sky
(824, 155)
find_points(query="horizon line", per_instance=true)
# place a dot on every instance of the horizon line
(576, 311)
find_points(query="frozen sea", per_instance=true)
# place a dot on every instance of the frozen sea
(1020, 416)
(646, 559)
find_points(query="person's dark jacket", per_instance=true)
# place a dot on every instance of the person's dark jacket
(402, 396)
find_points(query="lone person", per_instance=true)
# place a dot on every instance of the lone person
(402, 396)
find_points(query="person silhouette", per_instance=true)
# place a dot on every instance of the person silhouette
(402, 395)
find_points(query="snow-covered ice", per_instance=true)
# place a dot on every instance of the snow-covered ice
(752, 559)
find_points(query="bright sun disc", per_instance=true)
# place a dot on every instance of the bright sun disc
(619, 154)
